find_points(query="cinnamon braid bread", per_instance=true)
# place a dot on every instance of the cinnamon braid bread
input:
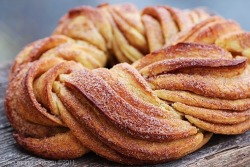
(63, 103)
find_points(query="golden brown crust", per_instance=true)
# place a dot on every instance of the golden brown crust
(213, 116)
(82, 133)
(209, 86)
(55, 147)
(201, 101)
(222, 67)
(154, 33)
(186, 50)
(227, 129)
(182, 20)
(62, 103)
(237, 43)
(216, 30)
(146, 127)
(111, 134)
(207, 31)
(121, 133)
(76, 109)
(168, 25)
(123, 29)
(198, 14)
(213, 93)
(29, 99)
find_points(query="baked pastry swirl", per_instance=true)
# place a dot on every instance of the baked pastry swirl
(205, 83)
(216, 30)
(125, 32)
(63, 103)
(60, 109)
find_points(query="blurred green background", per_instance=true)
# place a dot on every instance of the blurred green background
(23, 21)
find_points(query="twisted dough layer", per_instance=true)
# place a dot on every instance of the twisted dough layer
(216, 30)
(57, 100)
(62, 104)
(124, 31)
(203, 82)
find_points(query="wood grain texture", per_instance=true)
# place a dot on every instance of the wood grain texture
(220, 151)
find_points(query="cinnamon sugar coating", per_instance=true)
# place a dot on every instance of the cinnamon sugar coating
(194, 81)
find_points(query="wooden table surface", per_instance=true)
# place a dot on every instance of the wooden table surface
(220, 151)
